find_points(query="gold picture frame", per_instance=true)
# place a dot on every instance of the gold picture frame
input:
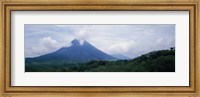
(120, 5)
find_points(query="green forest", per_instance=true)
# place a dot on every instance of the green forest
(156, 61)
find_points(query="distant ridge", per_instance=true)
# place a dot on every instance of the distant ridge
(120, 56)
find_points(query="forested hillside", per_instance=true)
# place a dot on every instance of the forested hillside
(156, 61)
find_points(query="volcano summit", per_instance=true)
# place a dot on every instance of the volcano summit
(80, 51)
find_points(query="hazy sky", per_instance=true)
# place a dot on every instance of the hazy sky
(128, 40)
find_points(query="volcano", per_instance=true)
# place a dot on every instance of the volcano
(77, 52)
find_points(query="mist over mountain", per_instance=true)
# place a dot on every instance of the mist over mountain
(120, 56)
(80, 51)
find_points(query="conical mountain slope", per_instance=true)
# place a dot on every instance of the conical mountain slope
(76, 53)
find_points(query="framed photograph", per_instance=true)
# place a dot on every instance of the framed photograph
(100, 48)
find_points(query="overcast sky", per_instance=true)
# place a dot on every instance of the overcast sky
(128, 40)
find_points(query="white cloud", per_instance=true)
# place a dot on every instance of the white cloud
(45, 45)
(121, 47)
(49, 43)
(81, 34)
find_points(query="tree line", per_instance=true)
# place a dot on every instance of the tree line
(156, 61)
